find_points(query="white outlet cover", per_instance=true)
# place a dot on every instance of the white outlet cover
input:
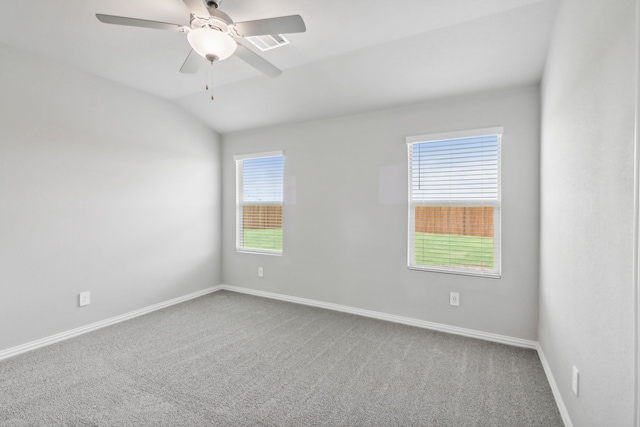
(454, 299)
(575, 380)
(84, 298)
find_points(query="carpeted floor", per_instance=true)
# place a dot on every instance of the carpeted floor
(228, 359)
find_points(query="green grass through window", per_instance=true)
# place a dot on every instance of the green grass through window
(443, 250)
(269, 239)
(449, 250)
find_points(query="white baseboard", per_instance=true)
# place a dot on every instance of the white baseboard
(4, 354)
(554, 388)
(502, 339)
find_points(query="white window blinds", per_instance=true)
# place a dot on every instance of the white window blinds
(454, 202)
(259, 198)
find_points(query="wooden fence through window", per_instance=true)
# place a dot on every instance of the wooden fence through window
(261, 217)
(464, 221)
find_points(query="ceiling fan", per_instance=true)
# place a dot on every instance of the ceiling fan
(212, 34)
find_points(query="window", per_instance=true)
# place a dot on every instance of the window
(259, 195)
(454, 202)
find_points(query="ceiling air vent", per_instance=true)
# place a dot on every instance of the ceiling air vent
(268, 42)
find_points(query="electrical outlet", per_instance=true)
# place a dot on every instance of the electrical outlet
(84, 298)
(454, 299)
(260, 272)
(575, 380)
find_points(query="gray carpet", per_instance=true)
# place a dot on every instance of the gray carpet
(228, 359)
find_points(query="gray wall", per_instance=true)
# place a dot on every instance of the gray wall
(586, 293)
(104, 189)
(345, 232)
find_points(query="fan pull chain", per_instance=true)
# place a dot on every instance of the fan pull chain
(206, 79)
(209, 83)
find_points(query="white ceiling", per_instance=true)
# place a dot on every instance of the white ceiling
(355, 56)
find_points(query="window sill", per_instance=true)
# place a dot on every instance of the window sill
(461, 273)
(258, 252)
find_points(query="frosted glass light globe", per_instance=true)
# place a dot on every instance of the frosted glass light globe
(208, 43)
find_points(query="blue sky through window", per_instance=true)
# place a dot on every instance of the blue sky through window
(456, 169)
(262, 179)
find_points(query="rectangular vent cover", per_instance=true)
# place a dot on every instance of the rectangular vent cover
(268, 42)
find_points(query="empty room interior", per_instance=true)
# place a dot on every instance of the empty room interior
(335, 213)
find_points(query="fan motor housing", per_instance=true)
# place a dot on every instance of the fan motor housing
(218, 20)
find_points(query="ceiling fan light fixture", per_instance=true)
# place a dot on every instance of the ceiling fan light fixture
(209, 43)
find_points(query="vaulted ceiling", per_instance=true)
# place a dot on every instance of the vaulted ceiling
(355, 56)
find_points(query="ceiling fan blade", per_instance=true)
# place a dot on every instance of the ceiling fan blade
(281, 25)
(257, 61)
(197, 7)
(192, 63)
(134, 22)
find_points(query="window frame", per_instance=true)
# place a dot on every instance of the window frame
(496, 273)
(238, 159)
